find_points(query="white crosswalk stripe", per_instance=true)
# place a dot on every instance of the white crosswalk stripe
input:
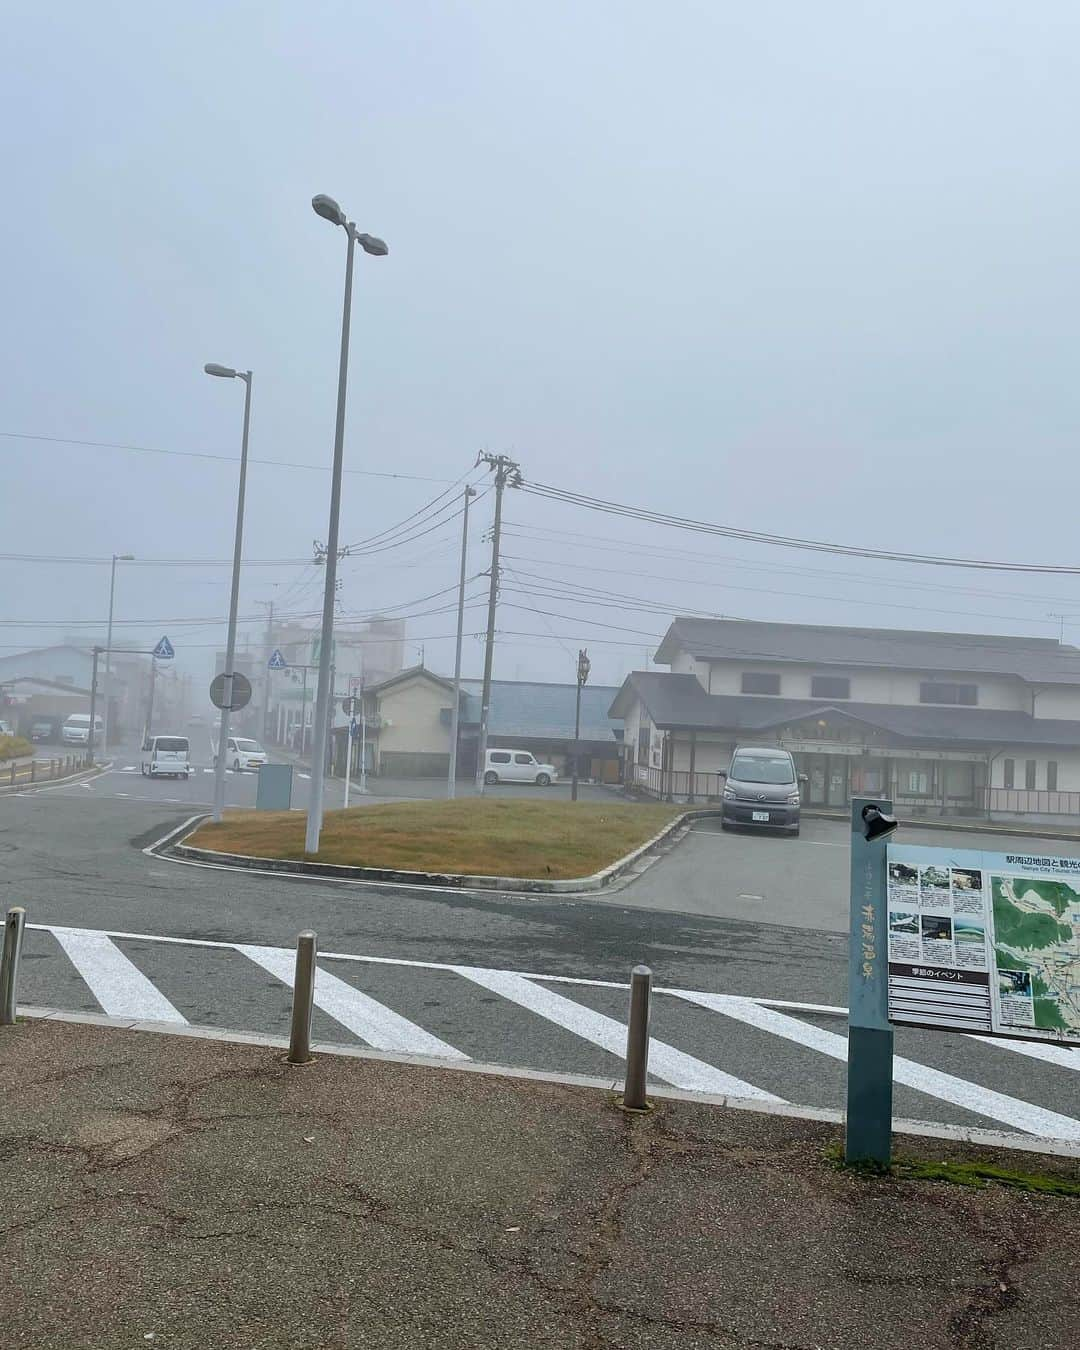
(373, 1022)
(121, 989)
(675, 1067)
(117, 983)
(1020, 1115)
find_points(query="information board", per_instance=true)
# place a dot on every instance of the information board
(984, 942)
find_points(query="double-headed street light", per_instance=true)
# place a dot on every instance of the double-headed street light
(227, 373)
(116, 557)
(329, 210)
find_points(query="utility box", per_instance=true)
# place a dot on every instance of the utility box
(275, 788)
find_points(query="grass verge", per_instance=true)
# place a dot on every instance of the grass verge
(511, 838)
(974, 1175)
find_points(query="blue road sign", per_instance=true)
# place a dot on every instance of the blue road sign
(353, 728)
(164, 650)
(277, 661)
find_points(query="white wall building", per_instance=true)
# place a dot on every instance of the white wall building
(944, 723)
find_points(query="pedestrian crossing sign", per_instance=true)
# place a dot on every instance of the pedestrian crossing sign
(164, 650)
(277, 661)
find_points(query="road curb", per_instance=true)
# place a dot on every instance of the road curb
(173, 846)
(976, 825)
(953, 1134)
(40, 783)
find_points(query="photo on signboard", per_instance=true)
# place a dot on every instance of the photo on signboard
(903, 936)
(1015, 998)
(970, 938)
(967, 889)
(903, 883)
(934, 882)
(902, 922)
(936, 928)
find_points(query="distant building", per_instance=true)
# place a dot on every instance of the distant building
(944, 723)
(409, 717)
(70, 665)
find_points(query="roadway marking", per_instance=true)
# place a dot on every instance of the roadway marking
(117, 983)
(305, 776)
(1061, 1055)
(373, 1022)
(128, 768)
(1019, 1114)
(665, 1061)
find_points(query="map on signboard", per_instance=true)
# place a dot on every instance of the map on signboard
(984, 942)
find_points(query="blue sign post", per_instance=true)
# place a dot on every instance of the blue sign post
(870, 1037)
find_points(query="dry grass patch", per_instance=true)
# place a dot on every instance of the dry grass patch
(509, 838)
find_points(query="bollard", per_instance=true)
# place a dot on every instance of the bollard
(9, 964)
(637, 1041)
(13, 774)
(303, 994)
(33, 767)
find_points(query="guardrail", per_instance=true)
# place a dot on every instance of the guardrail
(24, 772)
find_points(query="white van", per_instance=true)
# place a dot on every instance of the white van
(517, 766)
(76, 729)
(166, 757)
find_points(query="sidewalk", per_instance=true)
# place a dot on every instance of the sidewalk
(170, 1191)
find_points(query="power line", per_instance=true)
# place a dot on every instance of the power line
(205, 454)
(783, 541)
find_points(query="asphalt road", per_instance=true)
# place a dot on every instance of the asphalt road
(73, 856)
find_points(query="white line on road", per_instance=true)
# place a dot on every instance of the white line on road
(983, 1101)
(665, 1061)
(373, 1022)
(117, 983)
(1060, 1055)
(303, 775)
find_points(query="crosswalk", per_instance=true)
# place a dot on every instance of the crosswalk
(759, 1049)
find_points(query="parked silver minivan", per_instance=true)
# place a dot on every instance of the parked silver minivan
(762, 790)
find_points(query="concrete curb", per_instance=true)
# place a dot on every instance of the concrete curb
(28, 786)
(976, 825)
(445, 880)
(927, 1129)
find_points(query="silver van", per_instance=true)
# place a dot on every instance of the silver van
(762, 790)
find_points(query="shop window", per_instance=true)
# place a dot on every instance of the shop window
(1029, 774)
(830, 686)
(944, 691)
(1051, 775)
(758, 682)
(1008, 769)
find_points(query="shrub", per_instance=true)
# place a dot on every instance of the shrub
(13, 747)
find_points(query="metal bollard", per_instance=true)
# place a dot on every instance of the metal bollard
(9, 964)
(637, 1041)
(303, 994)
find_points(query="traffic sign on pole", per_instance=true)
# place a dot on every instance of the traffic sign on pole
(277, 661)
(241, 691)
(164, 650)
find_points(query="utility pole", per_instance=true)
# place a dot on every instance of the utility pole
(93, 708)
(583, 668)
(266, 667)
(506, 471)
(150, 701)
(451, 782)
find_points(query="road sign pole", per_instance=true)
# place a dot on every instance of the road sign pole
(150, 701)
(348, 760)
(870, 1037)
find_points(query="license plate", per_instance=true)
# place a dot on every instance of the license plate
(759, 815)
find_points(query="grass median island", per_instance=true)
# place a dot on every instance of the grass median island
(510, 838)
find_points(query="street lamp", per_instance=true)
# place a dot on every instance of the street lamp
(116, 557)
(329, 210)
(227, 373)
(583, 668)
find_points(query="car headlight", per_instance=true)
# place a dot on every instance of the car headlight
(729, 794)
(793, 800)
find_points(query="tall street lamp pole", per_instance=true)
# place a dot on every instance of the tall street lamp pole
(227, 373)
(583, 667)
(116, 557)
(329, 210)
(455, 715)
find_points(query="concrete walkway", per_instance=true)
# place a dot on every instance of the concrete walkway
(176, 1192)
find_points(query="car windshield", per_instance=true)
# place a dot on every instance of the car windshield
(172, 743)
(247, 745)
(762, 769)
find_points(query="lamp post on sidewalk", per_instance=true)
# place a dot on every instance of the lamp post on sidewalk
(116, 557)
(583, 668)
(227, 373)
(329, 210)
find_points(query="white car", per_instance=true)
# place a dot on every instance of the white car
(517, 766)
(166, 757)
(76, 730)
(242, 755)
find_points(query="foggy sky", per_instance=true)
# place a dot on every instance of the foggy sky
(802, 268)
